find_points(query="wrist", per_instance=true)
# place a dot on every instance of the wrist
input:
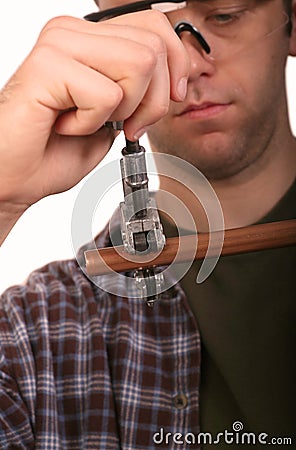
(9, 215)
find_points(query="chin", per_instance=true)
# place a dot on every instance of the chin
(215, 157)
(218, 155)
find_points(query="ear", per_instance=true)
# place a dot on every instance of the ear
(293, 31)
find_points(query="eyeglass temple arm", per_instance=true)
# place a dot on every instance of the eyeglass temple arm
(183, 25)
(125, 9)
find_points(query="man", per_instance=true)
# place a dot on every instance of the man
(81, 368)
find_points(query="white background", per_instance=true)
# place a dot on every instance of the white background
(43, 233)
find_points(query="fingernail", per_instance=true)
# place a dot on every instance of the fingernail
(182, 88)
(140, 133)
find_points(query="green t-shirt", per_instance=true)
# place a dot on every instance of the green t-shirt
(246, 313)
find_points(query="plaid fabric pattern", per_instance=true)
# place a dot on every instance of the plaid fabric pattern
(82, 369)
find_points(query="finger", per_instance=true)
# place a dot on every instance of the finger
(65, 84)
(135, 27)
(69, 158)
(94, 96)
(90, 89)
(144, 81)
(154, 105)
(66, 161)
(157, 22)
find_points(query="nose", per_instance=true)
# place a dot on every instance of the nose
(198, 49)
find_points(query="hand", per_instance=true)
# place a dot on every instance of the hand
(78, 76)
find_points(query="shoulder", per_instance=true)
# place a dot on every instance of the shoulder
(56, 293)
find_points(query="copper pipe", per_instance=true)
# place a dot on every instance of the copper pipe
(236, 241)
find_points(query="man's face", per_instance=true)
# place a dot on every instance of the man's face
(236, 102)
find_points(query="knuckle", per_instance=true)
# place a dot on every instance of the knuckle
(148, 60)
(160, 22)
(56, 22)
(55, 29)
(160, 111)
(50, 34)
(157, 43)
(157, 17)
(114, 96)
(43, 52)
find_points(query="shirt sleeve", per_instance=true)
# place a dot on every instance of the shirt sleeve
(15, 417)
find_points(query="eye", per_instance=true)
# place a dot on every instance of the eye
(223, 18)
(226, 18)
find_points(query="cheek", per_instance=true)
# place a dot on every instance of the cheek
(161, 133)
(257, 80)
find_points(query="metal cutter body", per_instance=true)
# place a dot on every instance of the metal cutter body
(141, 228)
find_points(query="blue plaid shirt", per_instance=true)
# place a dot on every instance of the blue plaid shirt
(82, 369)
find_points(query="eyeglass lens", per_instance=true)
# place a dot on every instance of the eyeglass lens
(230, 28)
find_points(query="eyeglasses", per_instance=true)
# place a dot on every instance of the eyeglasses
(223, 28)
